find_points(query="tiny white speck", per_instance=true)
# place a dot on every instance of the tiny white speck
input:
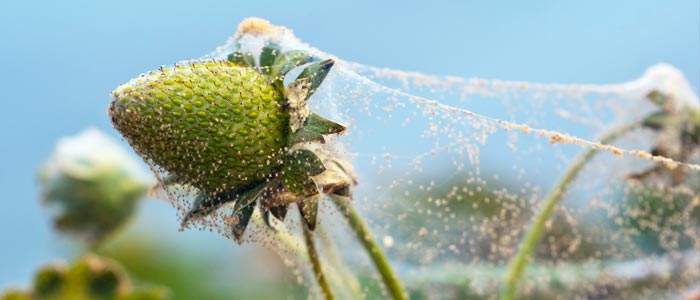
(388, 241)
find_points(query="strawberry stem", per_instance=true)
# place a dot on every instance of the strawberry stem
(316, 262)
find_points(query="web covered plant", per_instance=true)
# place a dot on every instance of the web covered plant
(468, 177)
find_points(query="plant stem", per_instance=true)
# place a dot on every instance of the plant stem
(284, 242)
(316, 262)
(670, 272)
(518, 263)
(350, 282)
(370, 244)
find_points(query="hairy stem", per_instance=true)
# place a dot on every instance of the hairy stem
(316, 262)
(370, 244)
(518, 263)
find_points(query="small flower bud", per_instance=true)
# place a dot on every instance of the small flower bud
(92, 184)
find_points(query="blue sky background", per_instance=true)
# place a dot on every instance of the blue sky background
(60, 60)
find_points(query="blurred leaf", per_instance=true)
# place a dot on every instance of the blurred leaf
(189, 275)
(90, 278)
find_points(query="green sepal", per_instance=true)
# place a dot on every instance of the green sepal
(266, 219)
(315, 73)
(309, 210)
(103, 283)
(303, 161)
(288, 61)
(691, 133)
(243, 59)
(659, 120)
(279, 212)
(203, 205)
(241, 217)
(304, 187)
(694, 116)
(248, 197)
(49, 280)
(298, 167)
(314, 128)
(657, 97)
(268, 56)
(171, 180)
(692, 130)
(278, 84)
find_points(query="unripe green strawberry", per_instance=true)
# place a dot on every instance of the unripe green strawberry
(216, 125)
(232, 130)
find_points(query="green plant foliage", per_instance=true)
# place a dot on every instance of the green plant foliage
(193, 275)
(89, 278)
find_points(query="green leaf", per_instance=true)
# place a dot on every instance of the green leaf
(15, 294)
(288, 61)
(315, 73)
(268, 57)
(243, 59)
(279, 212)
(314, 128)
(241, 218)
(309, 210)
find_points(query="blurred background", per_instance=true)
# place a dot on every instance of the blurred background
(60, 60)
